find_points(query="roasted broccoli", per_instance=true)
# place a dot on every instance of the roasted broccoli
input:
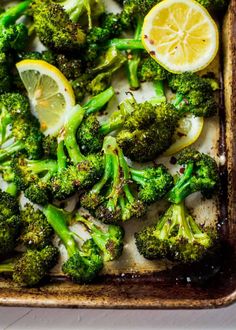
(109, 238)
(111, 199)
(15, 112)
(176, 236)
(83, 263)
(35, 230)
(32, 266)
(9, 223)
(194, 94)
(200, 174)
(150, 70)
(54, 27)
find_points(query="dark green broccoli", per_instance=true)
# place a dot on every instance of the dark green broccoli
(111, 199)
(45, 55)
(15, 112)
(148, 131)
(54, 27)
(83, 263)
(35, 230)
(200, 174)
(5, 74)
(9, 223)
(194, 94)
(32, 266)
(49, 145)
(108, 238)
(176, 236)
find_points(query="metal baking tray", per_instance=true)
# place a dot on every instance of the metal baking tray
(133, 282)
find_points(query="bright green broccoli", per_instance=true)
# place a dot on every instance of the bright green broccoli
(176, 236)
(35, 230)
(150, 70)
(32, 266)
(108, 238)
(83, 263)
(111, 199)
(200, 174)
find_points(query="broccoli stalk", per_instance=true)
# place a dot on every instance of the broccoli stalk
(175, 236)
(109, 239)
(11, 15)
(126, 44)
(111, 198)
(84, 263)
(134, 59)
(200, 174)
(32, 266)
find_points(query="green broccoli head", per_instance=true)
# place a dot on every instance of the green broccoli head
(83, 263)
(9, 205)
(194, 94)
(150, 70)
(148, 131)
(55, 28)
(36, 231)
(214, 5)
(34, 265)
(153, 183)
(200, 174)
(5, 75)
(175, 236)
(9, 231)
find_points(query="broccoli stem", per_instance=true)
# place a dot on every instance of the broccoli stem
(7, 267)
(134, 59)
(39, 166)
(61, 156)
(126, 174)
(126, 44)
(58, 220)
(182, 189)
(12, 14)
(70, 129)
(159, 91)
(10, 150)
(97, 102)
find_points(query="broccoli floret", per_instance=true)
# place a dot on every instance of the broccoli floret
(76, 171)
(54, 27)
(148, 131)
(83, 263)
(32, 267)
(15, 110)
(200, 174)
(35, 230)
(109, 238)
(69, 66)
(111, 199)
(153, 182)
(13, 36)
(33, 177)
(49, 145)
(9, 223)
(194, 94)
(175, 236)
(150, 70)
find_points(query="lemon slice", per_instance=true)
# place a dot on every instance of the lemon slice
(50, 93)
(187, 133)
(180, 35)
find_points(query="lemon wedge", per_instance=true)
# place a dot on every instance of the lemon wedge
(49, 92)
(188, 131)
(180, 35)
